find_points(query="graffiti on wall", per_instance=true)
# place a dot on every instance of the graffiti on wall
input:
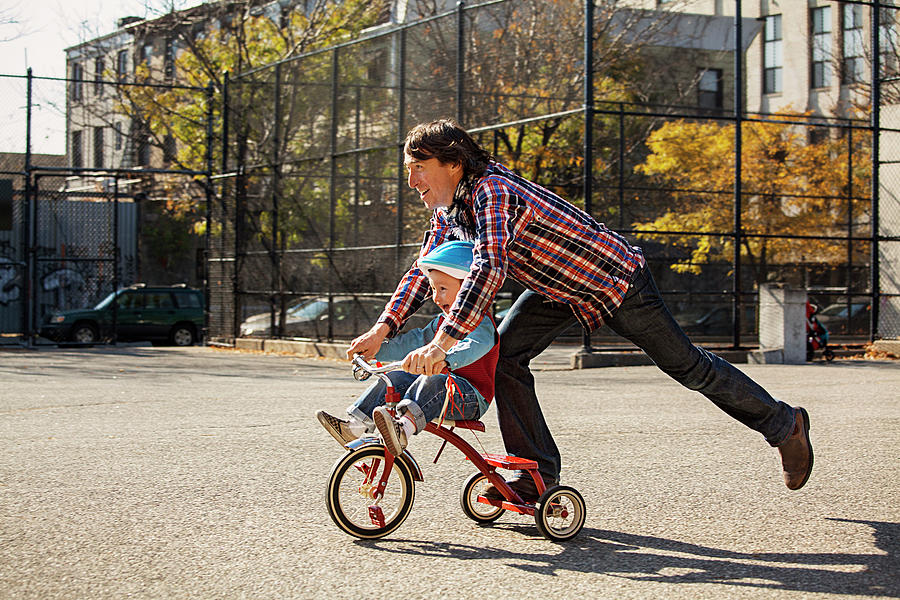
(63, 286)
(10, 290)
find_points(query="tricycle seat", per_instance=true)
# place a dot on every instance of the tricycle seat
(473, 425)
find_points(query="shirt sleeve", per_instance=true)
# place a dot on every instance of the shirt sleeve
(413, 289)
(500, 216)
(474, 346)
(468, 350)
(398, 347)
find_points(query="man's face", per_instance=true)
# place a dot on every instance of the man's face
(444, 289)
(435, 181)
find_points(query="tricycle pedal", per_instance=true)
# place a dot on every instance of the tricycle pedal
(376, 515)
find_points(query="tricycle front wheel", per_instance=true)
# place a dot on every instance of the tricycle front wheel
(351, 488)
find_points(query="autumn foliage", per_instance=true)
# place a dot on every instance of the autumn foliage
(790, 187)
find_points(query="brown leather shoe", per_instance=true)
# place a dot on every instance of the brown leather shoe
(523, 485)
(797, 453)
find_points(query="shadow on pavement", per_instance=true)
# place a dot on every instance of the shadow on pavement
(647, 558)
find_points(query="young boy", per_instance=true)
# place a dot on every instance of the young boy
(471, 362)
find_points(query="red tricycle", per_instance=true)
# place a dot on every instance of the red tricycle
(370, 492)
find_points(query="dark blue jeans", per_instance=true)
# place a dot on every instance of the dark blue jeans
(534, 322)
(423, 397)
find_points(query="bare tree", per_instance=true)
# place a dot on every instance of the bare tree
(851, 59)
(10, 23)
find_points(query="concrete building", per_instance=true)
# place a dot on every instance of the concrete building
(813, 55)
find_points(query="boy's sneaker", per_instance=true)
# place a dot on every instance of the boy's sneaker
(338, 428)
(391, 431)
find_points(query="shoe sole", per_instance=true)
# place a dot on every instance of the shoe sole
(385, 426)
(330, 429)
(805, 416)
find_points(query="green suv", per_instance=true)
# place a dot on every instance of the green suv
(161, 314)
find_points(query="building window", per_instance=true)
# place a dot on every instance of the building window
(122, 65)
(77, 77)
(198, 32)
(117, 129)
(377, 66)
(98, 147)
(889, 43)
(99, 66)
(817, 135)
(142, 146)
(75, 150)
(772, 57)
(709, 89)
(169, 59)
(169, 149)
(854, 55)
(821, 46)
(146, 53)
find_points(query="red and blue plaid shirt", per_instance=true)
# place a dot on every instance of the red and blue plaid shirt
(525, 231)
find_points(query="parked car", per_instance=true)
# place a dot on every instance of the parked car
(717, 321)
(159, 314)
(309, 318)
(573, 334)
(834, 317)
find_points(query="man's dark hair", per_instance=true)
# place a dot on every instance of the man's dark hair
(446, 141)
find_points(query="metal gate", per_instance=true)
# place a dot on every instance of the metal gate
(83, 246)
(63, 250)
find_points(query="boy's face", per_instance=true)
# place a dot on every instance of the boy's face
(444, 289)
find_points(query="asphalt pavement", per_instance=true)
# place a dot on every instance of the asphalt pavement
(146, 472)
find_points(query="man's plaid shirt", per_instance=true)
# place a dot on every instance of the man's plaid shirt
(531, 234)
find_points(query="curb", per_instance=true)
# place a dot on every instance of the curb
(636, 358)
(577, 359)
(299, 347)
(891, 347)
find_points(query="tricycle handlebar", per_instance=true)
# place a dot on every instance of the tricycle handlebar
(362, 369)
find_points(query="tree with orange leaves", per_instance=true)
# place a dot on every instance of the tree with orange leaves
(790, 186)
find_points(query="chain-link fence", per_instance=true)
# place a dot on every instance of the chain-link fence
(99, 196)
(317, 224)
(677, 145)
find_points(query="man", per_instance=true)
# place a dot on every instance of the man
(574, 269)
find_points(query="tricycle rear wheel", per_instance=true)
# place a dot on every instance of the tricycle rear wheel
(468, 499)
(559, 513)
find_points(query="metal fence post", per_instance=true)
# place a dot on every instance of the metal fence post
(621, 180)
(207, 238)
(738, 149)
(875, 19)
(588, 171)
(240, 209)
(226, 85)
(226, 78)
(115, 286)
(460, 60)
(357, 130)
(332, 188)
(30, 204)
(401, 134)
(849, 277)
(277, 298)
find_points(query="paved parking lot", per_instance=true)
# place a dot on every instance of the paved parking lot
(200, 473)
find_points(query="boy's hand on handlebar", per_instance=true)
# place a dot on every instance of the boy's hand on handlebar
(368, 343)
(427, 360)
